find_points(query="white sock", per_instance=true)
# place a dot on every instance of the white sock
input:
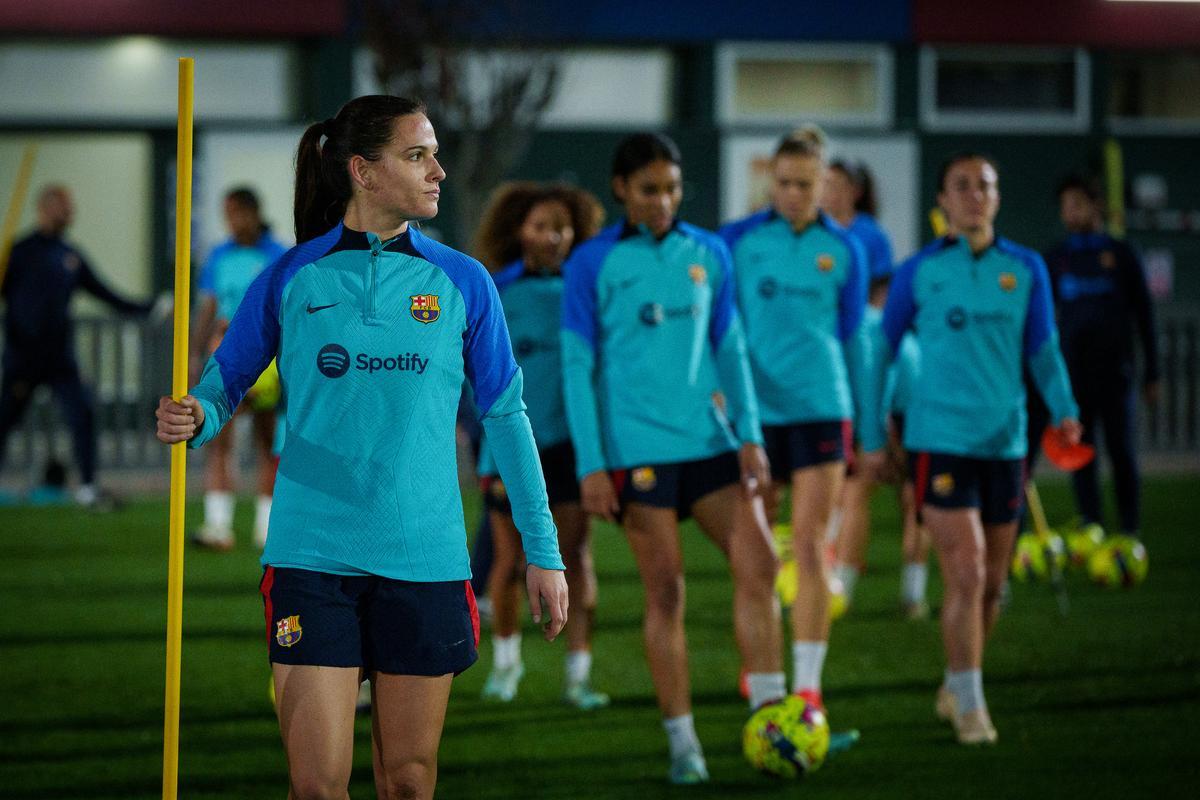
(967, 688)
(218, 510)
(835, 525)
(913, 580)
(766, 687)
(262, 516)
(848, 575)
(86, 494)
(579, 667)
(808, 660)
(681, 735)
(506, 651)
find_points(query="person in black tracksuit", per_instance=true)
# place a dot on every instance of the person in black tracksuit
(1103, 305)
(39, 344)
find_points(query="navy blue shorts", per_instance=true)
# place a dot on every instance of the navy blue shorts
(558, 465)
(994, 486)
(806, 444)
(379, 624)
(679, 485)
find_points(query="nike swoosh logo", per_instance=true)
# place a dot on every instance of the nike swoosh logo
(314, 309)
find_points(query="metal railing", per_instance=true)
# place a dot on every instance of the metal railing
(127, 365)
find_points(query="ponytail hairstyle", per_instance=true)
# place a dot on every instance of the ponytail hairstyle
(863, 181)
(807, 140)
(362, 127)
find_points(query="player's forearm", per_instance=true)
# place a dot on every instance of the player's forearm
(733, 370)
(872, 387)
(583, 418)
(1049, 373)
(513, 448)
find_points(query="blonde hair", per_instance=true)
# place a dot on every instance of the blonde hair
(807, 140)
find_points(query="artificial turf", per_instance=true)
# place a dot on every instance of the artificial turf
(1100, 703)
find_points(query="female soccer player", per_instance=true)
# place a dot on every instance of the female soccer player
(531, 229)
(229, 271)
(651, 340)
(374, 327)
(802, 287)
(980, 306)
(848, 196)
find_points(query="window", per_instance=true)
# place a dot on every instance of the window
(1154, 92)
(1013, 89)
(780, 85)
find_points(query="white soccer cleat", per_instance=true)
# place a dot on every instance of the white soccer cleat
(975, 727)
(688, 769)
(501, 684)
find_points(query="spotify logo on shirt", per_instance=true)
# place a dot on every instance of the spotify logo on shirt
(333, 361)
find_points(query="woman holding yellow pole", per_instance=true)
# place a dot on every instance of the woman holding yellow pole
(374, 327)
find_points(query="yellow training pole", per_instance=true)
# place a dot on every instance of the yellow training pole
(15, 204)
(179, 376)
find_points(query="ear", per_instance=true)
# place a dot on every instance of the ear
(620, 188)
(360, 169)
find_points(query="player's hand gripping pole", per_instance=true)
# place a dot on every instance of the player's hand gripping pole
(179, 377)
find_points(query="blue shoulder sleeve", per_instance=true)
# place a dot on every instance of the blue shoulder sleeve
(252, 339)
(580, 343)
(852, 306)
(496, 380)
(1042, 352)
(731, 232)
(728, 343)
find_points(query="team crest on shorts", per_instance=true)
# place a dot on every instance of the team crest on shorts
(425, 307)
(496, 489)
(1008, 281)
(1108, 259)
(287, 630)
(698, 274)
(943, 484)
(824, 262)
(644, 479)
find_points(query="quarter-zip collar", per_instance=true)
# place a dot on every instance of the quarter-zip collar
(629, 230)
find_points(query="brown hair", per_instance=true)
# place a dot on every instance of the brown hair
(498, 243)
(362, 127)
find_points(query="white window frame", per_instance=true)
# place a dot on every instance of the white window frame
(935, 120)
(729, 54)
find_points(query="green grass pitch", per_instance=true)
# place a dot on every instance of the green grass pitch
(1100, 704)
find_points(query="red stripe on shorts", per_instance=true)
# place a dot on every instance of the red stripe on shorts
(268, 610)
(618, 478)
(922, 479)
(474, 609)
(848, 443)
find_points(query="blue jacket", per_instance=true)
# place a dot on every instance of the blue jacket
(650, 338)
(373, 340)
(977, 319)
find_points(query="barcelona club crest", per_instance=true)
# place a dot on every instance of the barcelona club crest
(824, 262)
(698, 274)
(644, 479)
(287, 631)
(943, 484)
(1008, 281)
(425, 307)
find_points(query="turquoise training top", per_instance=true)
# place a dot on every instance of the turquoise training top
(976, 318)
(650, 337)
(532, 303)
(373, 341)
(802, 296)
(231, 268)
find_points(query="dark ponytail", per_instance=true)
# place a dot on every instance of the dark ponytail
(362, 127)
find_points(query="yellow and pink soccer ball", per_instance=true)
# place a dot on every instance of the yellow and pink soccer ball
(1037, 557)
(787, 739)
(1082, 543)
(1120, 563)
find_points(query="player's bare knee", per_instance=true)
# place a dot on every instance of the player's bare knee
(666, 597)
(318, 787)
(412, 780)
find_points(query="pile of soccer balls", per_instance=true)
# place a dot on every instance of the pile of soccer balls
(1111, 561)
(787, 739)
